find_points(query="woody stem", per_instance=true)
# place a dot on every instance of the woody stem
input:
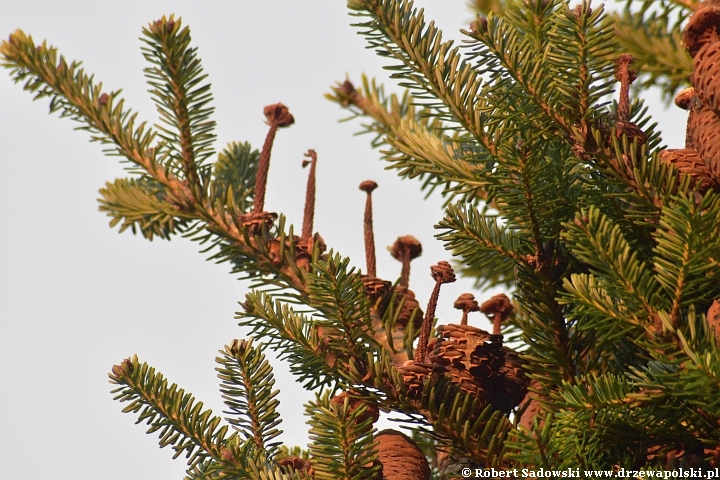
(421, 351)
(263, 167)
(309, 198)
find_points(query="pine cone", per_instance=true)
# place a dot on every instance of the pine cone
(400, 457)
(375, 288)
(705, 77)
(471, 357)
(414, 377)
(688, 161)
(713, 319)
(707, 138)
(515, 383)
(409, 307)
(702, 28)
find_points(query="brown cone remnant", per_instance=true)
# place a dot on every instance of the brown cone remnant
(309, 213)
(410, 308)
(368, 186)
(278, 116)
(441, 273)
(400, 457)
(713, 319)
(372, 411)
(467, 303)
(406, 249)
(498, 309)
(626, 77)
(531, 406)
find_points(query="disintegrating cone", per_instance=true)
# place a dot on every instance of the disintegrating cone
(400, 457)
(498, 309)
(470, 356)
(309, 213)
(414, 377)
(375, 288)
(515, 382)
(410, 308)
(277, 116)
(406, 249)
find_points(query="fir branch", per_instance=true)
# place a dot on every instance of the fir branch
(181, 421)
(419, 144)
(488, 248)
(687, 250)
(234, 176)
(247, 390)
(342, 445)
(431, 68)
(140, 205)
(74, 94)
(183, 101)
(595, 240)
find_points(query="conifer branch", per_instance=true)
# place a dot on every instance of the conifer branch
(181, 421)
(426, 64)
(247, 389)
(182, 100)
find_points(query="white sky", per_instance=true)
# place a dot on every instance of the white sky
(76, 297)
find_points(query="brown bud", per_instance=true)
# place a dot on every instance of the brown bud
(278, 114)
(371, 412)
(103, 100)
(125, 368)
(238, 347)
(226, 455)
(347, 88)
(295, 463)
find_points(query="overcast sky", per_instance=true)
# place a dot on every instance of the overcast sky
(76, 297)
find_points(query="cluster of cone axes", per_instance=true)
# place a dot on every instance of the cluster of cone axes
(473, 359)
